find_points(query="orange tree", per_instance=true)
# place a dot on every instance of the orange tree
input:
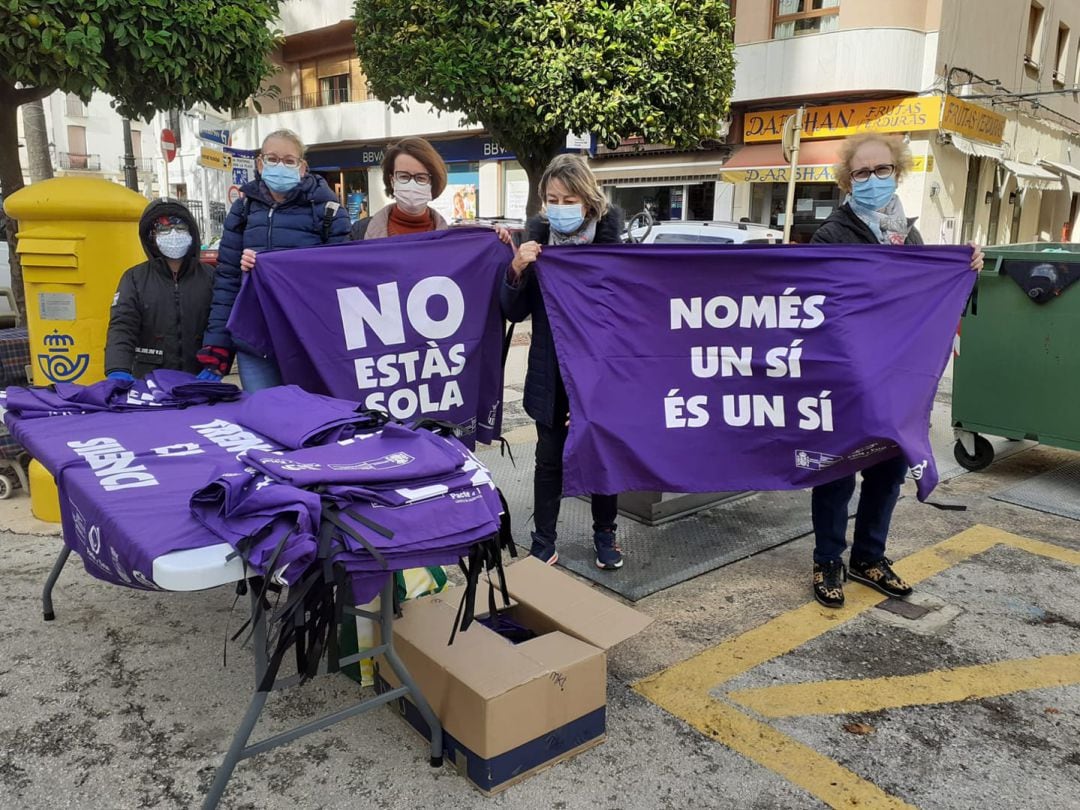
(148, 55)
(531, 71)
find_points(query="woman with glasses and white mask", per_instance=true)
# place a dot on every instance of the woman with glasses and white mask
(284, 207)
(870, 167)
(413, 174)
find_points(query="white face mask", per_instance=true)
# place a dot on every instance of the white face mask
(412, 197)
(174, 245)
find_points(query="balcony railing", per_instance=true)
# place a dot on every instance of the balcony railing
(72, 160)
(322, 98)
(142, 165)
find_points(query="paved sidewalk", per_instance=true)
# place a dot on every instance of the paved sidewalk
(742, 694)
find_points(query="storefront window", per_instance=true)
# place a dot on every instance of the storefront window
(351, 188)
(813, 204)
(693, 202)
(356, 194)
(460, 201)
(515, 190)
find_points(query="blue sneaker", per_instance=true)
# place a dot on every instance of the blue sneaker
(608, 554)
(545, 552)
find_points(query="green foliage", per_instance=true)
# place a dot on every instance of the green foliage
(532, 70)
(148, 54)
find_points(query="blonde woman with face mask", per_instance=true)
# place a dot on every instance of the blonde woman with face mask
(576, 212)
(284, 207)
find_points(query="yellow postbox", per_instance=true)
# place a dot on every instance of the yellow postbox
(76, 238)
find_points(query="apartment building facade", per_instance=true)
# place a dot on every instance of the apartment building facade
(985, 92)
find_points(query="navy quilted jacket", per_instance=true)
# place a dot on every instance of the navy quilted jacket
(296, 221)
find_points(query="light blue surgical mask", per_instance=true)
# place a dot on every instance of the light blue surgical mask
(873, 192)
(566, 218)
(281, 178)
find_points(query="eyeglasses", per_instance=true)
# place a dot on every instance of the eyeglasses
(274, 160)
(175, 228)
(421, 178)
(880, 172)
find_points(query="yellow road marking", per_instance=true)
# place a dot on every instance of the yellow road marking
(684, 689)
(799, 764)
(941, 686)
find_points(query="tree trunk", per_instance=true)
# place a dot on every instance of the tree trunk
(131, 174)
(11, 177)
(11, 180)
(534, 158)
(38, 158)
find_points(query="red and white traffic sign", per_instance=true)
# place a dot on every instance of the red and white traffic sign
(233, 194)
(168, 145)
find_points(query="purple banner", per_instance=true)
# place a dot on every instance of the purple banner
(409, 325)
(700, 369)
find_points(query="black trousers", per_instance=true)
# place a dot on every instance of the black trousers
(547, 487)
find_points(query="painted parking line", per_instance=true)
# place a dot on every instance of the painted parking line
(686, 689)
(940, 686)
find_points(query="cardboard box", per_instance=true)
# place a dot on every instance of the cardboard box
(510, 709)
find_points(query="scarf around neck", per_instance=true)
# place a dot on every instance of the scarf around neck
(583, 236)
(889, 223)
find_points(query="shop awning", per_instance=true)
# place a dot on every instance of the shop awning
(684, 167)
(1028, 175)
(976, 149)
(764, 163)
(1070, 174)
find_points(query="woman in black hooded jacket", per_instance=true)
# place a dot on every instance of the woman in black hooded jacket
(161, 306)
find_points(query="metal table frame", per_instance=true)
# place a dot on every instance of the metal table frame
(239, 749)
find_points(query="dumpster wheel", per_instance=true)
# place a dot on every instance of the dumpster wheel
(984, 454)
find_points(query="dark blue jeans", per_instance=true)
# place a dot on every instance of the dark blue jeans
(257, 373)
(547, 488)
(877, 499)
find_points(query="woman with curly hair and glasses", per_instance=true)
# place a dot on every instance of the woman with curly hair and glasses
(870, 168)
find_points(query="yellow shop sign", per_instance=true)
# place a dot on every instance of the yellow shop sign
(214, 159)
(910, 114)
(972, 121)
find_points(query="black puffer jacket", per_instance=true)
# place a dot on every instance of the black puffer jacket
(543, 384)
(157, 321)
(843, 227)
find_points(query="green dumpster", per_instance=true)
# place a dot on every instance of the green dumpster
(1016, 373)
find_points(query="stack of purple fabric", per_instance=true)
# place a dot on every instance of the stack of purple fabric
(399, 497)
(311, 491)
(160, 389)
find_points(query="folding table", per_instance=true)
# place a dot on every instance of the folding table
(215, 563)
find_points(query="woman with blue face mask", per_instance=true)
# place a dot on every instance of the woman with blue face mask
(871, 167)
(284, 207)
(575, 213)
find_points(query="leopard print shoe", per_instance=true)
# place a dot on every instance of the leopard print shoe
(829, 583)
(880, 576)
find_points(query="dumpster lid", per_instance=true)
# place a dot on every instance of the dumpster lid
(78, 198)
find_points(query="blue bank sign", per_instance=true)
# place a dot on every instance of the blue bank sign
(458, 150)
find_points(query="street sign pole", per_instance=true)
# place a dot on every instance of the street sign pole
(168, 151)
(792, 138)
